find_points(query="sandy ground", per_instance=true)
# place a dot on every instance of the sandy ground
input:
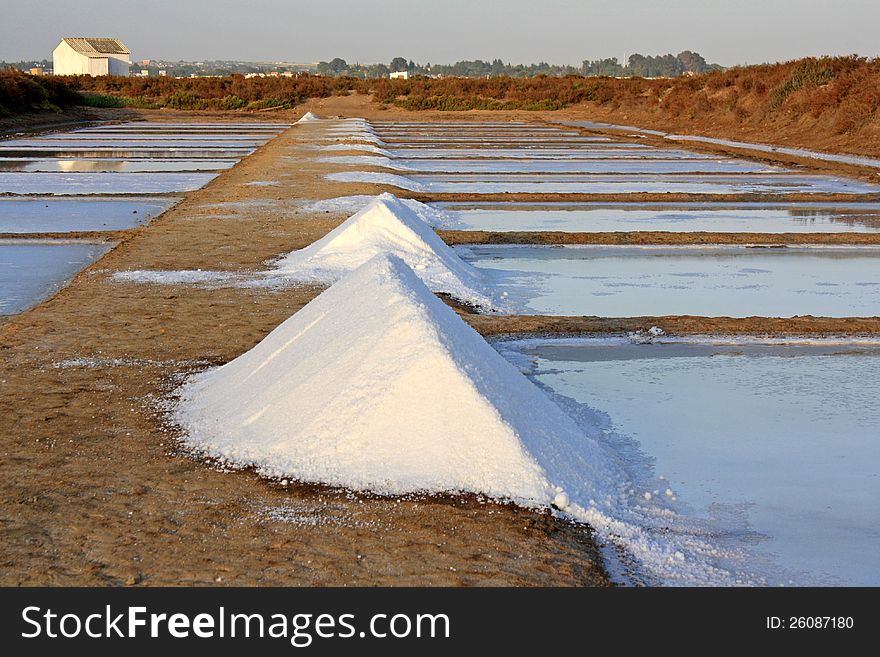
(94, 489)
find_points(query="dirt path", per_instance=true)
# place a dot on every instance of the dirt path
(93, 491)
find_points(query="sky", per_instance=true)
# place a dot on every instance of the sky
(726, 32)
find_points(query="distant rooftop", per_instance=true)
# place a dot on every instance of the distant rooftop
(97, 47)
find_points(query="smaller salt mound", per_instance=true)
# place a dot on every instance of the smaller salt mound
(377, 178)
(308, 117)
(351, 204)
(377, 385)
(366, 148)
(388, 226)
(367, 161)
(360, 136)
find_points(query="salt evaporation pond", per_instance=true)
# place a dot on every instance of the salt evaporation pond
(102, 165)
(443, 129)
(617, 184)
(729, 281)
(102, 183)
(128, 144)
(53, 215)
(141, 126)
(785, 436)
(31, 271)
(150, 136)
(485, 165)
(611, 183)
(145, 130)
(478, 142)
(715, 217)
(585, 155)
(634, 152)
(81, 153)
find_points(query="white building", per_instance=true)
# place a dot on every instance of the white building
(400, 75)
(86, 56)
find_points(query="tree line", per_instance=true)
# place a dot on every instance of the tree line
(665, 66)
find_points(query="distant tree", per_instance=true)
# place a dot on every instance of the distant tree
(338, 65)
(692, 62)
(398, 64)
(379, 71)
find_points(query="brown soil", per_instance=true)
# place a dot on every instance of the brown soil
(94, 489)
(654, 237)
(540, 325)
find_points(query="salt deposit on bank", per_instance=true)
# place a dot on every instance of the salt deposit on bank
(308, 117)
(378, 385)
(366, 148)
(389, 226)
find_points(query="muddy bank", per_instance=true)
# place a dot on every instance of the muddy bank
(653, 237)
(496, 325)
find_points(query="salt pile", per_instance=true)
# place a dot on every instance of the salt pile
(366, 148)
(353, 131)
(377, 384)
(388, 226)
(377, 161)
(378, 178)
(308, 117)
(351, 204)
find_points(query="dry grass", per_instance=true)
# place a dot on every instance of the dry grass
(821, 98)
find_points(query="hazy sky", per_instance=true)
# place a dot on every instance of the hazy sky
(442, 31)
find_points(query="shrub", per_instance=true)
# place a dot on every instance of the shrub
(101, 100)
(231, 102)
(20, 92)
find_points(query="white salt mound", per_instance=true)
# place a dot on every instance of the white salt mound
(378, 161)
(377, 384)
(366, 148)
(308, 117)
(377, 178)
(351, 204)
(388, 226)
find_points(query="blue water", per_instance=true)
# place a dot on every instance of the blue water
(785, 438)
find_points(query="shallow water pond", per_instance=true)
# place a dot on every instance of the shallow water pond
(608, 165)
(102, 183)
(87, 152)
(716, 217)
(128, 144)
(54, 215)
(641, 183)
(538, 153)
(617, 281)
(785, 437)
(108, 165)
(31, 271)
(153, 136)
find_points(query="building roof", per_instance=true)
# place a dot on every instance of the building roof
(97, 47)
